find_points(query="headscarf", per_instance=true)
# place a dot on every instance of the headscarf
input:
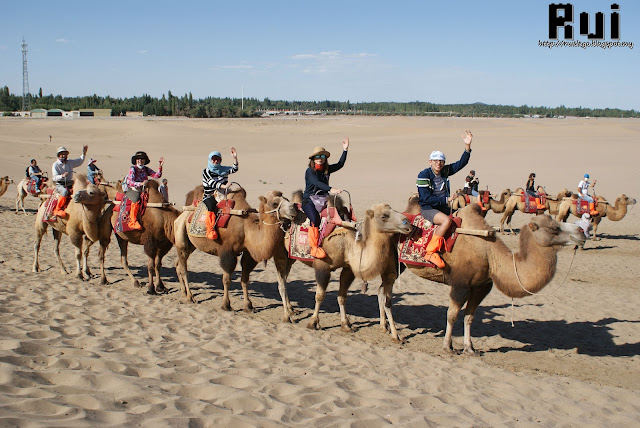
(217, 169)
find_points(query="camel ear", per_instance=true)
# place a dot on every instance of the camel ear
(533, 227)
(262, 199)
(370, 213)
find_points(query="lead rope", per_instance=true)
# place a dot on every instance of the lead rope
(515, 269)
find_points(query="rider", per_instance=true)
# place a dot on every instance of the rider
(531, 190)
(164, 189)
(92, 172)
(316, 180)
(35, 173)
(62, 175)
(215, 177)
(433, 190)
(136, 180)
(583, 192)
(471, 183)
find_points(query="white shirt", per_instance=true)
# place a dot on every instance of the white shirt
(60, 168)
(584, 185)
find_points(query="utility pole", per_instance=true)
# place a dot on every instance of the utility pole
(26, 95)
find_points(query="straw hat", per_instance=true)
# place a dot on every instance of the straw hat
(319, 151)
(62, 149)
(140, 155)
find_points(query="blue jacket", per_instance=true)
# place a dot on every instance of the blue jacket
(318, 181)
(425, 182)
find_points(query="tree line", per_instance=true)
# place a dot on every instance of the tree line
(212, 107)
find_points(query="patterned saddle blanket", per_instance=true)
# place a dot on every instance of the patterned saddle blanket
(197, 225)
(484, 196)
(413, 247)
(530, 205)
(121, 222)
(50, 205)
(582, 206)
(32, 189)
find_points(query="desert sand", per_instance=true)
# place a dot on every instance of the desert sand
(76, 353)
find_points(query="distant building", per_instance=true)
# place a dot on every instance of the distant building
(94, 112)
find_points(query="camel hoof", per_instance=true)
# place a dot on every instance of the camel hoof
(226, 307)
(313, 325)
(151, 291)
(470, 352)
(160, 289)
(104, 282)
(287, 320)
(398, 340)
(449, 351)
(249, 310)
(347, 328)
(137, 284)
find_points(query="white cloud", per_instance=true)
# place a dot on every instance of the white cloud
(63, 40)
(233, 67)
(142, 51)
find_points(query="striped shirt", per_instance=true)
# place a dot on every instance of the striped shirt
(212, 181)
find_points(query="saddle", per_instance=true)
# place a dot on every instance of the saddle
(197, 219)
(50, 205)
(413, 247)
(530, 205)
(484, 197)
(121, 222)
(32, 189)
(582, 205)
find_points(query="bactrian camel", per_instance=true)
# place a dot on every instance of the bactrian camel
(615, 212)
(255, 235)
(373, 255)
(476, 263)
(82, 225)
(22, 194)
(497, 206)
(515, 203)
(156, 237)
(4, 184)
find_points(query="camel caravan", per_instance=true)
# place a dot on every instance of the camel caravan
(438, 237)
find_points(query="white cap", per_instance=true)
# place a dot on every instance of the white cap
(437, 155)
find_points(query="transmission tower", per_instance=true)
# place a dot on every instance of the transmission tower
(26, 95)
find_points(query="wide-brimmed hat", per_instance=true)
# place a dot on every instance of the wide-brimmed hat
(437, 155)
(319, 151)
(140, 155)
(62, 149)
(91, 160)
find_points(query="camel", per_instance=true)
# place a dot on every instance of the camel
(254, 235)
(84, 211)
(373, 254)
(22, 194)
(515, 203)
(476, 263)
(615, 212)
(156, 236)
(497, 206)
(4, 184)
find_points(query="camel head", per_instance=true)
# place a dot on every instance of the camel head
(6, 180)
(625, 200)
(413, 207)
(91, 195)
(384, 219)
(274, 202)
(548, 232)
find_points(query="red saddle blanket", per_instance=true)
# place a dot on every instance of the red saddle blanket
(50, 205)
(32, 188)
(530, 204)
(413, 247)
(121, 221)
(299, 247)
(484, 196)
(582, 206)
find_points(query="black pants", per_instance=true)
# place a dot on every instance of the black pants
(133, 196)
(211, 204)
(310, 210)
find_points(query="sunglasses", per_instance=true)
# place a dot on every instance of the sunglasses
(320, 157)
(216, 158)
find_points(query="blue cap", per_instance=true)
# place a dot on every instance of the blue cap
(586, 176)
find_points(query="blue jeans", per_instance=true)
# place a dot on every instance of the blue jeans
(310, 210)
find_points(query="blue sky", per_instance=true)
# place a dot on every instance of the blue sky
(437, 51)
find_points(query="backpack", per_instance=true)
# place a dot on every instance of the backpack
(26, 172)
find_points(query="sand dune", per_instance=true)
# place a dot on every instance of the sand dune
(79, 354)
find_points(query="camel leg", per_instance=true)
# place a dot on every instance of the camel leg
(323, 275)
(57, 236)
(124, 246)
(183, 273)
(150, 272)
(103, 250)
(20, 201)
(41, 229)
(283, 266)
(86, 245)
(76, 241)
(502, 220)
(596, 222)
(346, 279)
(162, 251)
(228, 263)
(476, 296)
(385, 294)
(458, 297)
(248, 264)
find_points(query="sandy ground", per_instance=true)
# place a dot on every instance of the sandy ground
(76, 353)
